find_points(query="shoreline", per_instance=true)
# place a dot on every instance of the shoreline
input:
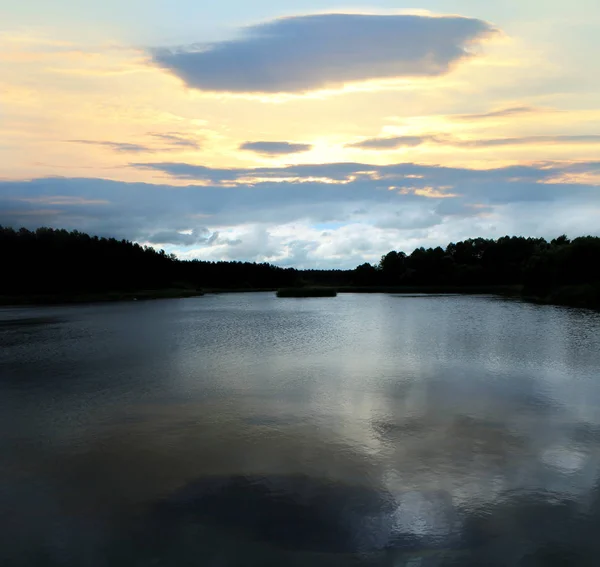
(100, 297)
(568, 296)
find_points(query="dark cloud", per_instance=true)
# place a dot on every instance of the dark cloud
(192, 172)
(117, 146)
(337, 171)
(403, 196)
(410, 218)
(187, 238)
(303, 53)
(363, 183)
(457, 207)
(213, 238)
(275, 148)
(366, 209)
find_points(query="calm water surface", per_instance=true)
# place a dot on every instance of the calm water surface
(246, 430)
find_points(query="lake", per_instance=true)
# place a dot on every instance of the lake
(245, 430)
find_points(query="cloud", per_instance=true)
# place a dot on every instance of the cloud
(176, 139)
(62, 200)
(275, 148)
(117, 146)
(358, 181)
(337, 214)
(503, 112)
(310, 52)
(173, 140)
(392, 143)
(184, 238)
(526, 140)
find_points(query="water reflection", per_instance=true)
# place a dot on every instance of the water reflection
(295, 511)
(242, 430)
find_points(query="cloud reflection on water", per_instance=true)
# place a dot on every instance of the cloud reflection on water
(439, 429)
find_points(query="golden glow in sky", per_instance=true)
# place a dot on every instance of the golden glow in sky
(477, 89)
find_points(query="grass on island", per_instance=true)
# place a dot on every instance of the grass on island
(306, 292)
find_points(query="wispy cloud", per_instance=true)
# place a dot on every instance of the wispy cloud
(309, 52)
(503, 112)
(176, 139)
(173, 141)
(525, 140)
(392, 143)
(275, 148)
(116, 146)
(63, 200)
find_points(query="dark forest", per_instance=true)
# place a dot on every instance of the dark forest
(49, 263)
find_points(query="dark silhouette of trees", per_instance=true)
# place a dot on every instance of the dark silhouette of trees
(393, 268)
(566, 271)
(235, 275)
(49, 261)
(510, 260)
(57, 261)
(367, 275)
(560, 271)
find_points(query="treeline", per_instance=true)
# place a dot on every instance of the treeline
(505, 261)
(559, 271)
(49, 262)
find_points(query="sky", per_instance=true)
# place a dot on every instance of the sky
(307, 133)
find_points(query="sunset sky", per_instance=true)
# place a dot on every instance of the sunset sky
(304, 133)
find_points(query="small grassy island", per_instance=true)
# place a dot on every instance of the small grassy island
(306, 292)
